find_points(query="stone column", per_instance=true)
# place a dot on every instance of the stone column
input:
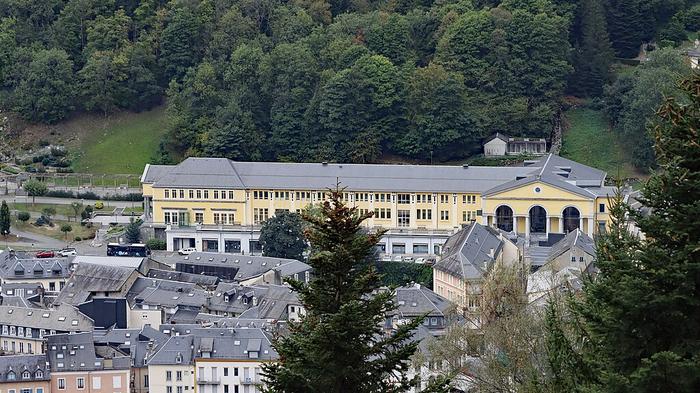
(527, 226)
(580, 224)
(547, 225)
(561, 224)
(590, 226)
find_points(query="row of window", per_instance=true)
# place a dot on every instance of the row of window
(96, 383)
(26, 374)
(16, 331)
(402, 198)
(13, 347)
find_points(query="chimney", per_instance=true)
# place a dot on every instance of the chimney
(491, 252)
(255, 301)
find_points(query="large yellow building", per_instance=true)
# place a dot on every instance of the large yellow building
(215, 204)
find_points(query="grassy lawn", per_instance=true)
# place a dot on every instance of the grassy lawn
(122, 145)
(64, 210)
(55, 231)
(589, 140)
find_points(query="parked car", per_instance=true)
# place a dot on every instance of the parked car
(69, 251)
(430, 261)
(397, 258)
(99, 205)
(186, 250)
(420, 261)
(386, 258)
(408, 259)
(45, 254)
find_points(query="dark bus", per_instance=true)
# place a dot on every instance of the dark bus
(128, 250)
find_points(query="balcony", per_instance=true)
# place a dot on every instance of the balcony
(207, 380)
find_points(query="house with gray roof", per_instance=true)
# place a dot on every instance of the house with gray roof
(97, 280)
(247, 269)
(51, 273)
(272, 302)
(468, 257)
(202, 280)
(21, 372)
(77, 363)
(24, 329)
(414, 301)
(500, 145)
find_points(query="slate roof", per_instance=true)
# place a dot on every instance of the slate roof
(90, 278)
(35, 364)
(158, 292)
(64, 318)
(200, 279)
(216, 343)
(223, 173)
(249, 266)
(130, 262)
(558, 172)
(416, 300)
(497, 135)
(467, 253)
(272, 300)
(77, 352)
(137, 343)
(18, 268)
(573, 239)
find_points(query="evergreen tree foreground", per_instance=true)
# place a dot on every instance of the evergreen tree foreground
(339, 345)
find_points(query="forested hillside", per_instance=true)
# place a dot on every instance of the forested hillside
(330, 80)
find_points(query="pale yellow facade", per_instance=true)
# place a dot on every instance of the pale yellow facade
(170, 378)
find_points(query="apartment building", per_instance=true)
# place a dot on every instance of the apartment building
(76, 366)
(24, 374)
(23, 330)
(218, 205)
(50, 273)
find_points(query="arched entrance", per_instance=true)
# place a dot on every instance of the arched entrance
(504, 218)
(572, 219)
(538, 220)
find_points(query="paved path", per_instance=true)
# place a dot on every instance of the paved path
(37, 241)
(67, 201)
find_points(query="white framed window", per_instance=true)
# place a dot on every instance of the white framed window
(117, 381)
(444, 215)
(61, 384)
(80, 383)
(97, 382)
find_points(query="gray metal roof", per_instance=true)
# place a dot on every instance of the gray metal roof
(471, 251)
(168, 293)
(200, 279)
(264, 301)
(18, 364)
(222, 173)
(64, 318)
(89, 278)
(560, 173)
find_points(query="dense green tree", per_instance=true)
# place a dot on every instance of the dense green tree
(593, 55)
(103, 80)
(109, 33)
(72, 24)
(282, 236)
(141, 88)
(7, 47)
(65, 228)
(625, 25)
(34, 188)
(391, 38)
(4, 219)
(46, 89)
(363, 98)
(133, 231)
(673, 32)
(692, 18)
(178, 46)
(648, 288)
(23, 216)
(339, 346)
(232, 30)
(633, 99)
(235, 135)
(437, 114)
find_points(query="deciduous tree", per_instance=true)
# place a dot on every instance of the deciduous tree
(282, 236)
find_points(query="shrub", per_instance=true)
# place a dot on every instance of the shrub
(99, 205)
(60, 194)
(57, 152)
(23, 216)
(88, 195)
(156, 244)
(78, 238)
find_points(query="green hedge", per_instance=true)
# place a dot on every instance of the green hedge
(402, 273)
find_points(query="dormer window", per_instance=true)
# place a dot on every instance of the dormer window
(226, 298)
(178, 358)
(11, 376)
(39, 374)
(26, 375)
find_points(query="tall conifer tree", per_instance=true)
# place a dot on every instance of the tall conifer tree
(339, 345)
(642, 313)
(625, 26)
(593, 53)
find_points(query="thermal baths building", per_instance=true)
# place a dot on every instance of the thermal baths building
(218, 205)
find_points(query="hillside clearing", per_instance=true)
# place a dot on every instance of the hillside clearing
(589, 140)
